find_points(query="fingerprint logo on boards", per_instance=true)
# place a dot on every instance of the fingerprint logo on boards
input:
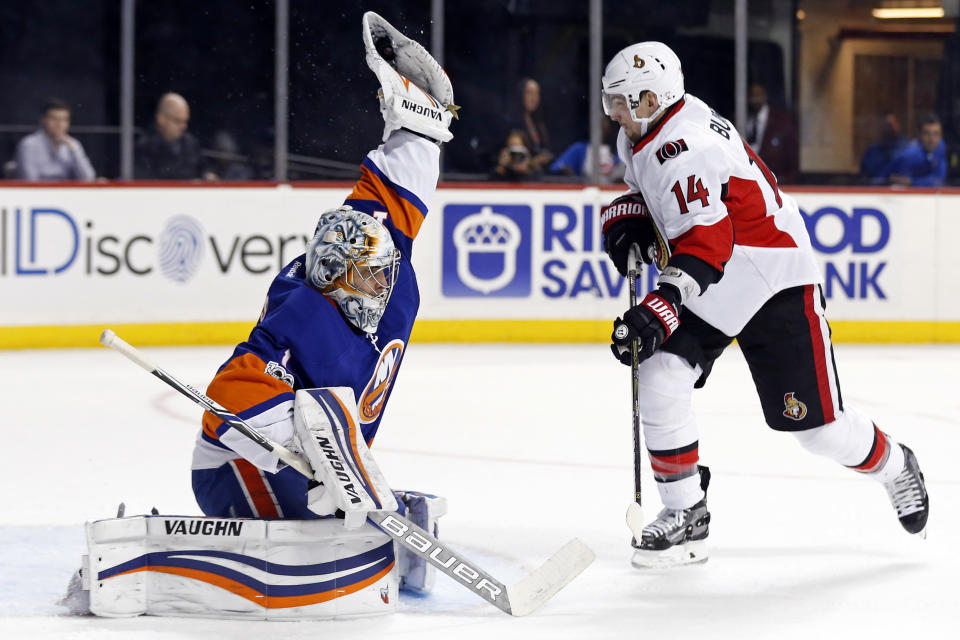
(486, 250)
(180, 248)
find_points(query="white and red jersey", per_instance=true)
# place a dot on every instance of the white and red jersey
(713, 199)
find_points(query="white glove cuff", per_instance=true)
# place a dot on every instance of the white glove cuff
(682, 281)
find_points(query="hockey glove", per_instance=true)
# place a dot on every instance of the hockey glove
(625, 222)
(415, 92)
(651, 322)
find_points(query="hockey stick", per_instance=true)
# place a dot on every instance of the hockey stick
(517, 599)
(635, 509)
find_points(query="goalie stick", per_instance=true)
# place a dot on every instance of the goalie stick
(635, 509)
(517, 599)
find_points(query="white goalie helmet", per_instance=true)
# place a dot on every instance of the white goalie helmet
(646, 66)
(352, 260)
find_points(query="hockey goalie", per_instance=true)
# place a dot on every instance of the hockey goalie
(315, 375)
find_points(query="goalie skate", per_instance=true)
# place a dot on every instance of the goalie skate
(908, 495)
(677, 536)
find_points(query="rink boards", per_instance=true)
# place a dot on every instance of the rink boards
(191, 264)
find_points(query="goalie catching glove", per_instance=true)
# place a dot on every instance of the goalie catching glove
(415, 92)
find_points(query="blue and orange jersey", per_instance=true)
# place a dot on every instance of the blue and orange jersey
(302, 340)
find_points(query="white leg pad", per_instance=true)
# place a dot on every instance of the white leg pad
(423, 509)
(238, 568)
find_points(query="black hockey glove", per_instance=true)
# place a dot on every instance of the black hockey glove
(651, 322)
(624, 222)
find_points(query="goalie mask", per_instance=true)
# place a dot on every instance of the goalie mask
(352, 260)
(647, 66)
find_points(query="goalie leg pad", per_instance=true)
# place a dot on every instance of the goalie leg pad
(325, 429)
(423, 509)
(237, 568)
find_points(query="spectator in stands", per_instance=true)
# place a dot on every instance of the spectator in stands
(50, 154)
(577, 160)
(515, 161)
(879, 154)
(533, 126)
(170, 152)
(924, 162)
(772, 133)
(227, 159)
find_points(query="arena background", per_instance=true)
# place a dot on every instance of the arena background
(280, 89)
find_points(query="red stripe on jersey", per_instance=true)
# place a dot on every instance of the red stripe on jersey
(257, 489)
(819, 353)
(404, 215)
(242, 384)
(712, 244)
(748, 210)
(645, 140)
(675, 464)
(878, 453)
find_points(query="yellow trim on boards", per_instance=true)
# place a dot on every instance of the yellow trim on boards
(481, 331)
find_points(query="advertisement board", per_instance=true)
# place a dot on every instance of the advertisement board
(194, 263)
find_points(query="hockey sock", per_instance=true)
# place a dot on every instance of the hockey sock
(854, 441)
(670, 430)
(681, 494)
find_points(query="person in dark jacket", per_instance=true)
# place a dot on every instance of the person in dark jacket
(170, 152)
(879, 154)
(772, 133)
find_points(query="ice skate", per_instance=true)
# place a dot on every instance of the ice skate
(677, 536)
(908, 495)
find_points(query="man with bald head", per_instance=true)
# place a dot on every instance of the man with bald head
(170, 152)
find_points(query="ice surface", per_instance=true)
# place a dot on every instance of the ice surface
(532, 446)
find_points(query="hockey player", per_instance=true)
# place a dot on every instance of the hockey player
(341, 314)
(735, 261)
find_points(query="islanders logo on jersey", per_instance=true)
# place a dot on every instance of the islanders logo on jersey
(375, 394)
(795, 410)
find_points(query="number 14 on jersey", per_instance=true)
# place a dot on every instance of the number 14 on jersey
(695, 191)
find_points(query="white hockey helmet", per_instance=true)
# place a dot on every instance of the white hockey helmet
(645, 66)
(352, 260)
